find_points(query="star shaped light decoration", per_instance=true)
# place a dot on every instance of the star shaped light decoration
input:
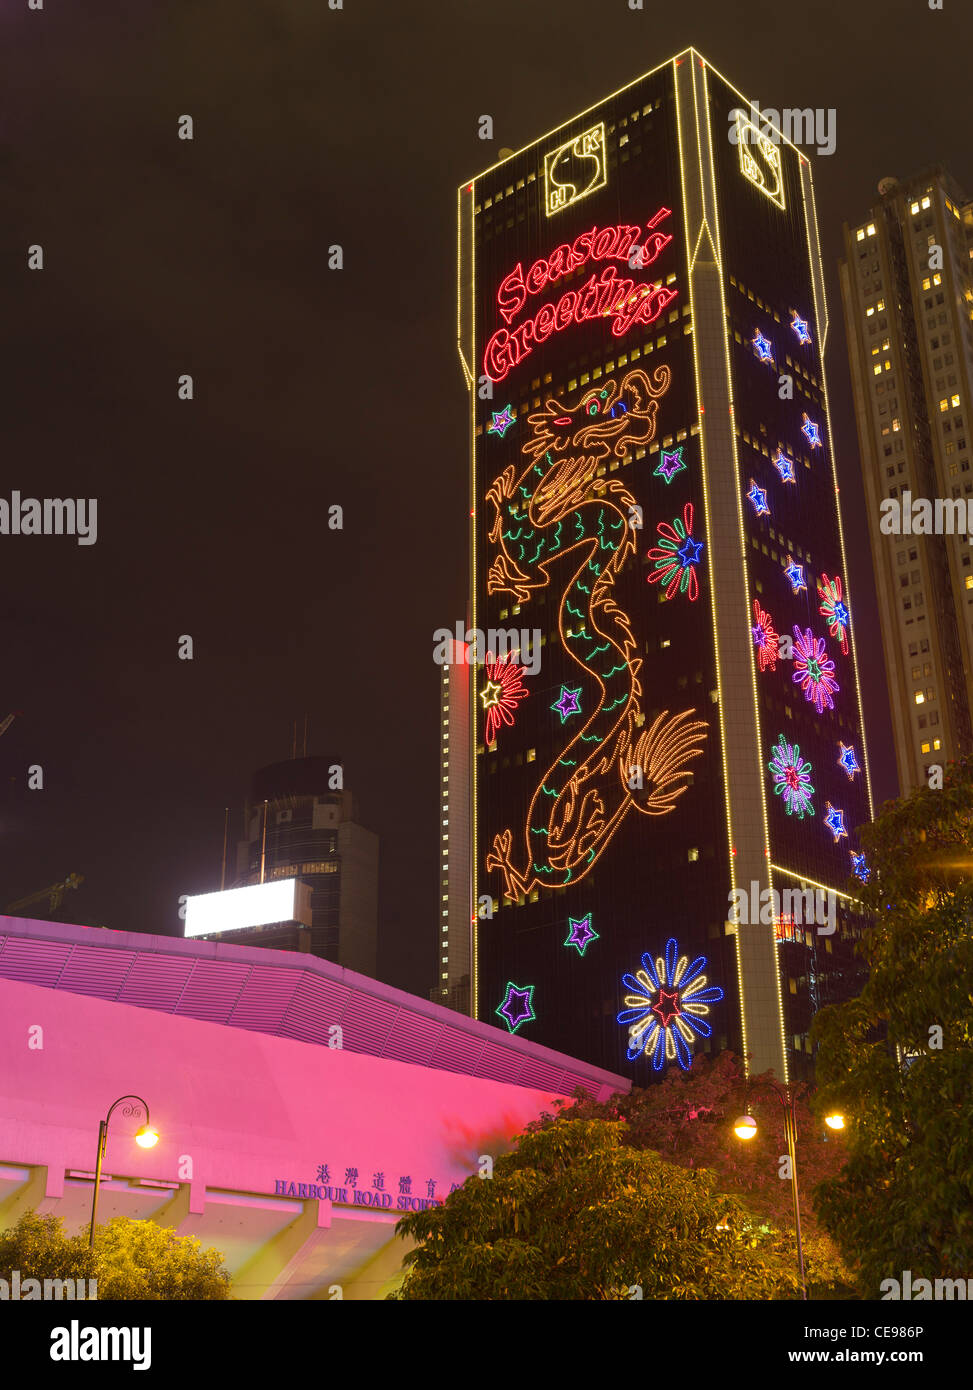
(784, 466)
(795, 573)
(518, 1006)
(800, 327)
(503, 692)
(667, 1004)
(502, 420)
(669, 465)
(810, 431)
(765, 639)
(758, 496)
(859, 867)
(677, 555)
(847, 760)
(581, 933)
(835, 821)
(833, 609)
(763, 347)
(792, 778)
(814, 669)
(568, 703)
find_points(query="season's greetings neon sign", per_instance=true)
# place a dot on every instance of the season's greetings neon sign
(606, 294)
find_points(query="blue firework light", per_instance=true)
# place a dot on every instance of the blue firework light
(667, 1002)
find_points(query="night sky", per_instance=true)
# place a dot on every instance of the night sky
(313, 387)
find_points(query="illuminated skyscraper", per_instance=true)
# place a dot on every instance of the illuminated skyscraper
(907, 289)
(642, 326)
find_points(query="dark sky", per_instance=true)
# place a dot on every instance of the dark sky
(312, 387)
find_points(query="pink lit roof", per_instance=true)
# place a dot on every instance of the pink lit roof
(283, 994)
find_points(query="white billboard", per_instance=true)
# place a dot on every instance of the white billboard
(276, 901)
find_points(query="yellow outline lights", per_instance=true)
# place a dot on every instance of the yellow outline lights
(589, 145)
(769, 177)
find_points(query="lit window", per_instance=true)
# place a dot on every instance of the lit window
(914, 209)
(871, 229)
(936, 745)
(531, 754)
(925, 202)
(925, 748)
(869, 313)
(937, 279)
(954, 401)
(861, 233)
(880, 305)
(943, 404)
(877, 369)
(927, 283)
(920, 698)
(969, 581)
(693, 856)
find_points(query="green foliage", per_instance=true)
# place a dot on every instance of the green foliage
(688, 1119)
(130, 1259)
(905, 1198)
(578, 1213)
(38, 1247)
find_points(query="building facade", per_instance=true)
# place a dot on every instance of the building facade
(454, 933)
(642, 325)
(907, 291)
(301, 823)
(302, 1109)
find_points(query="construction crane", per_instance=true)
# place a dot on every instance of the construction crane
(54, 894)
(6, 723)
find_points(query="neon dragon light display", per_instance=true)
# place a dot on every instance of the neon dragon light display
(541, 515)
(667, 1003)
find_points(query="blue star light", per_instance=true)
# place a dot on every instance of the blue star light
(758, 497)
(795, 573)
(502, 420)
(784, 467)
(581, 933)
(835, 821)
(669, 465)
(690, 552)
(847, 760)
(517, 1006)
(810, 429)
(859, 867)
(568, 702)
(764, 349)
(799, 326)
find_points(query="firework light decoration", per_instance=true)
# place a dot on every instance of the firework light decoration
(666, 1005)
(765, 638)
(834, 610)
(502, 693)
(677, 555)
(792, 778)
(813, 669)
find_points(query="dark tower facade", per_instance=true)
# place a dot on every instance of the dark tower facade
(642, 325)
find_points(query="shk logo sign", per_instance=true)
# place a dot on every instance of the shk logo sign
(574, 170)
(77, 1343)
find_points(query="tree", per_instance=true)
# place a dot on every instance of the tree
(130, 1259)
(577, 1213)
(898, 1060)
(688, 1119)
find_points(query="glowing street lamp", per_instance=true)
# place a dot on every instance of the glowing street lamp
(746, 1127)
(146, 1137)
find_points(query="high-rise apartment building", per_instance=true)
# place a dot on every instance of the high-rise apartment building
(300, 822)
(907, 290)
(642, 326)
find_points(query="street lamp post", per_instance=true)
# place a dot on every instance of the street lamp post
(746, 1128)
(146, 1137)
